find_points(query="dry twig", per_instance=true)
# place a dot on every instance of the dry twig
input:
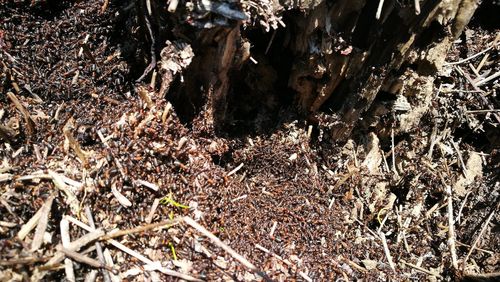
(42, 224)
(387, 251)
(422, 269)
(100, 254)
(225, 247)
(66, 240)
(485, 225)
(86, 260)
(451, 224)
(30, 124)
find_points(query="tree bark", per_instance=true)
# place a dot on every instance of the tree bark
(342, 56)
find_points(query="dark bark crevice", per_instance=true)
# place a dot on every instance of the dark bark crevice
(331, 56)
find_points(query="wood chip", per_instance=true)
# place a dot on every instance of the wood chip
(119, 196)
(42, 224)
(71, 199)
(30, 124)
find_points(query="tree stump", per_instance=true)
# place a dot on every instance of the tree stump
(351, 61)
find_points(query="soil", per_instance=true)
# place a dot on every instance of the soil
(321, 209)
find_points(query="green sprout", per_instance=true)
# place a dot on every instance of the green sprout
(172, 249)
(167, 200)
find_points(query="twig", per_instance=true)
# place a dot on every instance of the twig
(393, 153)
(386, 251)
(71, 198)
(417, 7)
(143, 93)
(451, 224)
(483, 111)
(151, 214)
(482, 97)
(468, 78)
(66, 240)
(271, 42)
(474, 70)
(488, 79)
(104, 6)
(42, 224)
(273, 228)
(386, 165)
(59, 256)
(147, 184)
(172, 6)
(470, 58)
(461, 160)
(422, 269)
(109, 261)
(379, 9)
(367, 228)
(77, 245)
(86, 260)
(332, 201)
(478, 237)
(91, 276)
(494, 276)
(36, 175)
(242, 197)
(28, 226)
(355, 265)
(485, 58)
(477, 248)
(26, 261)
(462, 207)
(120, 197)
(148, 7)
(100, 254)
(384, 220)
(166, 223)
(5, 177)
(235, 170)
(73, 143)
(149, 263)
(225, 247)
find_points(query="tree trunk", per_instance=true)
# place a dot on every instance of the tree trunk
(350, 61)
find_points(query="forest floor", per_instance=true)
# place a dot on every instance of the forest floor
(79, 139)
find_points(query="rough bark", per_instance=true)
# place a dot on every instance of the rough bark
(342, 55)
